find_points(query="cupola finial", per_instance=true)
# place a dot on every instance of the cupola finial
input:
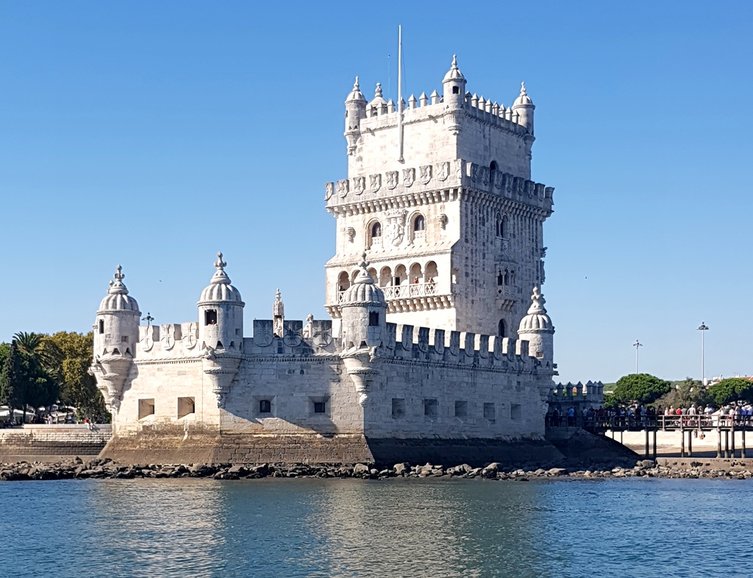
(219, 262)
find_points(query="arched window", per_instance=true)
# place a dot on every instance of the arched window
(430, 272)
(502, 328)
(419, 223)
(343, 281)
(501, 225)
(415, 273)
(385, 277)
(376, 230)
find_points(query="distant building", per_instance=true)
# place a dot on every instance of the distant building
(439, 342)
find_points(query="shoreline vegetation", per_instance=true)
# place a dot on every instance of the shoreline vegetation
(77, 468)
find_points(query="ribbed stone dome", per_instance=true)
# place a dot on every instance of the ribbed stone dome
(454, 72)
(537, 318)
(219, 288)
(363, 291)
(356, 95)
(117, 298)
(523, 98)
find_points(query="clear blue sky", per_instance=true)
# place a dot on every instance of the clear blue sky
(153, 134)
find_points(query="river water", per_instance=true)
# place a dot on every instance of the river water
(428, 527)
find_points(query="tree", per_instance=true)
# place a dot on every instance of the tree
(641, 387)
(77, 387)
(27, 378)
(685, 394)
(731, 389)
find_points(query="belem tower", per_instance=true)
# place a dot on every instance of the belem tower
(439, 345)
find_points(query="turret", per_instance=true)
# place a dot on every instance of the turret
(355, 110)
(220, 331)
(536, 328)
(221, 312)
(364, 310)
(524, 106)
(278, 315)
(116, 333)
(453, 86)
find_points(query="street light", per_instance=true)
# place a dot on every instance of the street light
(637, 344)
(703, 328)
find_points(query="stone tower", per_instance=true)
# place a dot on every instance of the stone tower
(116, 333)
(454, 229)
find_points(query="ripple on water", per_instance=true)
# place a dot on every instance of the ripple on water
(668, 528)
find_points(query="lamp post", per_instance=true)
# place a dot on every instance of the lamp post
(703, 328)
(637, 344)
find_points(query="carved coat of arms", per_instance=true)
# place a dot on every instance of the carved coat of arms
(396, 226)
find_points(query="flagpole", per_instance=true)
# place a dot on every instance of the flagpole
(400, 92)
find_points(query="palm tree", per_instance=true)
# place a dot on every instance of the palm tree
(35, 380)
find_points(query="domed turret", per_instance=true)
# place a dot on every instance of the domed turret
(536, 328)
(221, 312)
(378, 103)
(116, 333)
(363, 311)
(454, 85)
(524, 106)
(355, 110)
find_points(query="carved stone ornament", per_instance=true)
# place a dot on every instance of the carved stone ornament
(191, 338)
(322, 339)
(443, 171)
(343, 188)
(391, 179)
(425, 174)
(147, 343)
(265, 336)
(359, 185)
(409, 177)
(375, 182)
(329, 190)
(350, 233)
(396, 226)
(474, 173)
(168, 339)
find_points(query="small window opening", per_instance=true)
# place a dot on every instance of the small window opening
(320, 407)
(431, 407)
(265, 406)
(398, 407)
(186, 406)
(373, 319)
(101, 326)
(502, 328)
(210, 317)
(376, 230)
(515, 412)
(500, 280)
(146, 407)
(124, 339)
(461, 408)
(489, 411)
(419, 224)
(455, 90)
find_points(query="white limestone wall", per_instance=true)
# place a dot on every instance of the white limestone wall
(517, 407)
(164, 381)
(292, 385)
(481, 142)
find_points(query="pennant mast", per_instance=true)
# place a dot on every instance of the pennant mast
(400, 92)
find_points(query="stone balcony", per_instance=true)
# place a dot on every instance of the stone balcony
(407, 297)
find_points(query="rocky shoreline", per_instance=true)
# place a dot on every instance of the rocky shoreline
(107, 469)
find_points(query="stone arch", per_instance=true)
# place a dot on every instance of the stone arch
(414, 273)
(373, 273)
(343, 281)
(401, 275)
(502, 328)
(353, 275)
(385, 277)
(431, 272)
(374, 233)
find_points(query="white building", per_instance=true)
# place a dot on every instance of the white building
(439, 346)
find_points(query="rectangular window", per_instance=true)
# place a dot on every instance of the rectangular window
(398, 407)
(146, 408)
(490, 412)
(210, 317)
(431, 408)
(515, 412)
(461, 408)
(101, 326)
(320, 407)
(373, 319)
(186, 406)
(265, 406)
(124, 339)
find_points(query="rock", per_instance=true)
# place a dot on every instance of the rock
(557, 471)
(401, 469)
(360, 470)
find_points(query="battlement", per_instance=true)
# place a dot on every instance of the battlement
(427, 181)
(408, 342)
(591, 393)
(298, 337)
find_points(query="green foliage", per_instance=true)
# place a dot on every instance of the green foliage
(731, 389)
(684, 394)
(641, 387)
(77, 387)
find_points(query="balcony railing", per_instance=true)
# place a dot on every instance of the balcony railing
(426, 289)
